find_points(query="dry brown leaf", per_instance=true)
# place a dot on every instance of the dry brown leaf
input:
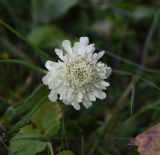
(148, 142)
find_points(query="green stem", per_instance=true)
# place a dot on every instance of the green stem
(133, 93)
(50, 148)
(137, 76)
(24, 63)
(1, 140)
(149, 37)
(38, 50)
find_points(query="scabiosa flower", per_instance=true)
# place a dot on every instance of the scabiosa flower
(78, 77)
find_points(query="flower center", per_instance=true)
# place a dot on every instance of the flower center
(80, 73)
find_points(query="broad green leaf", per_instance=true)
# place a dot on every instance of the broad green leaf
(26, 142)
(47, 118)
(46, 36)
(46, 11)
(46, 122)
(66, 153)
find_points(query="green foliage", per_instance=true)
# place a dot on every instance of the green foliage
(36, 105)
(49, 10)
(143, 12)
(45, 122)
(47, 118)
(46, 36)
(25, 141)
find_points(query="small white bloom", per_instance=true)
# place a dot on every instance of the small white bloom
(78, 77)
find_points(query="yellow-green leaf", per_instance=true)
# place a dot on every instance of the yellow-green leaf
(47, 118)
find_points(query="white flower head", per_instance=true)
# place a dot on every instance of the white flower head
(78, 77)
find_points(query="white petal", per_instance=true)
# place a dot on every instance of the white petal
(90, 48)
(100, 54)
(94, 56)
(105, 84)
(108, 71)
(84, 41)
(45, 80)
(87, 104)
(53, 96)
(57, 83)
(67, 46)
(69, 94)
(49, 64)
(76, 105)
(80, 96)
(62, 91)
(78, 49)
(48, 80)
(91, 96)
(102, 85)
(100, 94)
(59, 53)
(66, 102)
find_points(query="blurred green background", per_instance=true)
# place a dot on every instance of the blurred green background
(129, 31)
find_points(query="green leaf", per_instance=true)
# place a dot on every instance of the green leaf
(29, 115)
(27, 104)
(143, 12)
(66, 153)
(16, 33)
(47, 118)
(45, 122)
(46, 36)
(46, 11)
(25, 142)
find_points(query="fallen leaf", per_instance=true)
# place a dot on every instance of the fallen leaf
(148, 142)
